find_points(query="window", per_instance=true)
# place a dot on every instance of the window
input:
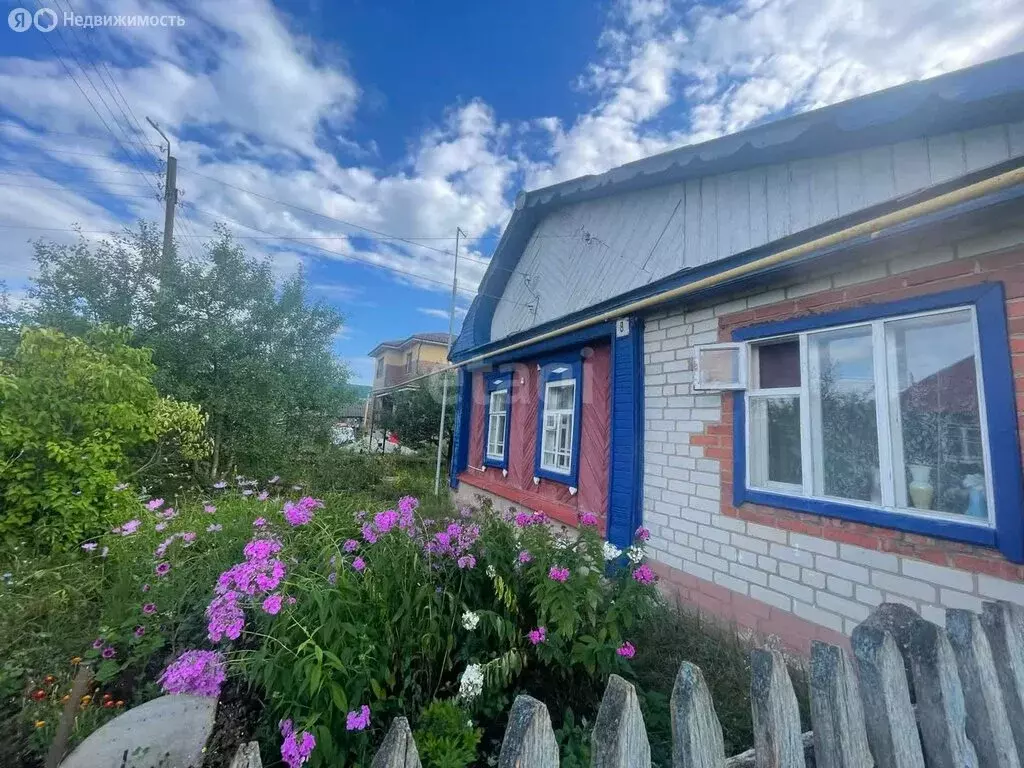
(880, 415)
(380, 367)
(497, 420)
(558, 425)
(408, 362)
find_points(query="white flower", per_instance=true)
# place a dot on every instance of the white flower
(561, 543)
(611, 551)
(635, 554)
(491, 572)
(470, 620)
(471, 684)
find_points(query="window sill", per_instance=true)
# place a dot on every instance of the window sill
(546, 474)
(496, 463)
(972, 533)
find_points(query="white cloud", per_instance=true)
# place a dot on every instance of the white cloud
(442, 314)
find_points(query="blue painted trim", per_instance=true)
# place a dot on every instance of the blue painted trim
(551, 348)
(460, 431)
(1000, 415)
(574, 371)
(495, 382)
(625, 466)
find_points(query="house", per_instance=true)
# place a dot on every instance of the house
(794, 354)
(400, 360)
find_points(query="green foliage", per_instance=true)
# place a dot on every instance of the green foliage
(574, 741)
(71, 412)
(414, 414)
(445, 736)
(257, 357)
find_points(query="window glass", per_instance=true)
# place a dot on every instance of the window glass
(844, 429)
(497, 419)
(935, 414)
(778, 364)
(775, 441)
(559, 418)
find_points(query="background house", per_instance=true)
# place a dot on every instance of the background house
(397, 361)
(794, 354)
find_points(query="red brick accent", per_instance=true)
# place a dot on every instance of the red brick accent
(562, 513)
(1006, 267)
(795, 633)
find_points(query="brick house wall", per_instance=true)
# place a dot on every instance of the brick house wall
(778, 572)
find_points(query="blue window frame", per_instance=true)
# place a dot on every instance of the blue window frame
(930, 441)
(559, 414)
(497, 419)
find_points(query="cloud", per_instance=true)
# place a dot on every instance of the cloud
(674, 74)
(442, 314)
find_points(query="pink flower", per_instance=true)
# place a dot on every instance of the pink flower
(626, 650)
(643, 574)
(359, 564)
(259, 522)
(130, 527)
(163, 569)
(296, 748)
(220, 484)
(140, 631)
(109, 652)
(358, 720)
(188, 537)
(169, 513)
(369, 534)
(642, 534)
(159, 526)
(149, 609)
(525, 557)
(351, 545)
(558, 573)
(301, 512)
(89, 546)
(538, 635)
(264, 495)
(197, 673)
(209, 509)
(588, 518)
(154, 504)
(272, 605)
(467, 561)
(97, 643)
(526, 519)
(227, 619)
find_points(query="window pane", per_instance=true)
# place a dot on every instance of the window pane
(560, 397)
(775, 440)
(844, 431)
(936, 421)
(779, 364)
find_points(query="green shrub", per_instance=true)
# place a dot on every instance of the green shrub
(71, 411)
(445, 736)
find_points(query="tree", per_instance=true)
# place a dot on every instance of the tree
(256, 356)
(414, 414)
(72, 410)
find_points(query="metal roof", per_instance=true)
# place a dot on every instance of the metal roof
(975, 97)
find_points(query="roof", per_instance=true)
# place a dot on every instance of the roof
(426, 338)
(982, 95)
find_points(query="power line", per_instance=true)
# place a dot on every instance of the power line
(76, 134)
(77, 191)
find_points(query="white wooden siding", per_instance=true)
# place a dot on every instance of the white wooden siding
(588, 252)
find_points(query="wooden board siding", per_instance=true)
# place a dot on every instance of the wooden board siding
(518, 486)
(591, 251)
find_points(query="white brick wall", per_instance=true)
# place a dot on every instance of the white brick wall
(834, 585)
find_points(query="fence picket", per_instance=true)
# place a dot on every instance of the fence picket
(529, 740)
(399, 748)
(620, 737)
(1004, 626)
(987, 725)
(696, 732)
(840, 738)
(777, 740)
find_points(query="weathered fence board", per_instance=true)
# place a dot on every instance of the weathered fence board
(926, 696)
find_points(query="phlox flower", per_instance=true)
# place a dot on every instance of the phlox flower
(264, 495)
(109, 652)
(149, 609)
(643, 574)
(89, 546)
(588, 519)
(272, 605)
(642, 534)
(358, 720)
(467, 562)
(220, 485)
(611, 551)
(227, 619)
(159, 527)
(470, 620)
(163, 569)
(196, 673)
(558, 573)
(626, 650)
(359, 564)
(538, 635)
(154, 504)
(97, 643)
(369, 534)
(525, 556)
(350, 545)
(296, 748)
(140, 631)
(209, 508)
(247, 492)
(259, 522)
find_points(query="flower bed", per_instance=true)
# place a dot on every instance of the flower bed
(341, 618)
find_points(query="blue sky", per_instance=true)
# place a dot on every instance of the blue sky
(413, 118)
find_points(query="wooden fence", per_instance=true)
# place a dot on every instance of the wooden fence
(912, 695)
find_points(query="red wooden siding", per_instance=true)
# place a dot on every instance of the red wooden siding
(549, 496)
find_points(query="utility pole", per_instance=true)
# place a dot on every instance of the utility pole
(170, 198)
(444, 385)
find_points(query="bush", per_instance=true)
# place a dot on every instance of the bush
(445, 737)
(71, 412)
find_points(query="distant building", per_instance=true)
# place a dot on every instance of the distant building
(400, 360)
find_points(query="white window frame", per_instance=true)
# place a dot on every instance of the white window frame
(742, 367)
(558, 414)
(502, 414)
(886, 414)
